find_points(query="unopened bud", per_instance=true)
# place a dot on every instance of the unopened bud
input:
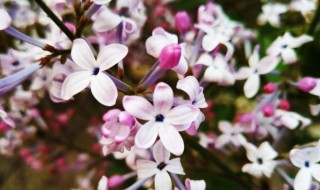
(182, 21)
(269, 88)
(284, 105)
(268, 110)
(307, 84)
(115, 180)
(170, 56)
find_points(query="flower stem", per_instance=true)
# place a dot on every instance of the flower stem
(21, 36)
(55, 19)
(285, 176)
(138, 184)
(315, 20)
(178, 181)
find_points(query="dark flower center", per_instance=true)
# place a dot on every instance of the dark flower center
(284, 46)
(95, 71)
(161, 165)
(260, 161)
(16, 63)
(306, 164)
(159, 118)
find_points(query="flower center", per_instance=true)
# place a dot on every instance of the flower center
(16, 63)
(260, 161)
(161, 166)
(306, 164)
(95, 71)
(159, 118)
(284, 46)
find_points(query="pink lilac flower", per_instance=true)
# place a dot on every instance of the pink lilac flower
(262, 159)
(162, 119)
(283, 46)
(252, 73)
(307, 160)
(159, 40)
(160, 167)
(91, 71)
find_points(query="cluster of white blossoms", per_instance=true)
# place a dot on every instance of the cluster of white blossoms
(155, 122)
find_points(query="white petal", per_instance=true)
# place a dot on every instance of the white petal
(75, 83)
(222, 140)
(101, 2)
(182, 66)
(316, 90)
(209, 43)
(111, 55)
(205, 59)
(303, 180)
(314, 109)
(266, 151)
(252, 152)
(315, 171)
(252, 85)
(297, 42)
(297, 157)
(174, 166)
(182, 114)
(163, 181)
(103, 183)
(106, 21)
(268, 168)
(139, 107)
(195, 184)
(253, 169)
(5, 19)
(147, 134)
(146, 168)
(190, 85)
(103, 89)
(160, 31)
(267, 64)
(162, 98)
(160, 153)
(243, 73)
(171, 139)
(289, 121)
(155, 44)
(82, 54)
(289, 56)
(213, 75)
(225, 127)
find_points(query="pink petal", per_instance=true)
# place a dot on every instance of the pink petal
(147, 134)
(163, 181)
(146, 168)
(174, 166)
(171, 139)
(82, 54)
(182, 114)
(111, 55)
(190, 85)
(222, 140)
(251, 86)
(122, 133)
(163, 98)
(139, 107)
(160, 153)
(103, 89)
(106, 21)
(5, 19)
(75, 83)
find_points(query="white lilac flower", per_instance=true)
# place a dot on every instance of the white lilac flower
(160, 167)
(307, 160)
(162, 119)
(271, 14)
(91, 71)
(252, 73)
(217, 69)
(262, 159)
(291, 120)
(306, 7)
(131, 156)
(229, 134)
(161, 39)
(283, 46)
(195, 184)
(191, 86)
(103, 183)
(314, 109)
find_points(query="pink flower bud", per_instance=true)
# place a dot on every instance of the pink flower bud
(284, 105)
(170, 56)
(268, 110)
(182, 21)
(192, 130)
(115, 180)
(269, 88)
(126, 119)
(306, 84)
(111, 115)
